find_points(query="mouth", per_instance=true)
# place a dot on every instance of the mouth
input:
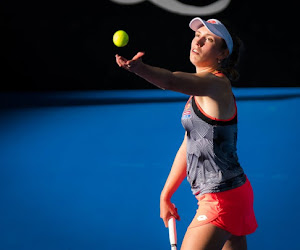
(195, 51)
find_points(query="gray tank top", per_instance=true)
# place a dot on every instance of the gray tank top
(212, 162)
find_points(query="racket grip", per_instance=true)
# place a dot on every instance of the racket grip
(172, 232)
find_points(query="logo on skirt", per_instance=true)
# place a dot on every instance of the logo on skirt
(202, 217)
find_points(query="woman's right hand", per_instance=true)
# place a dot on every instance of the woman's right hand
(130, 65)
(168, 210)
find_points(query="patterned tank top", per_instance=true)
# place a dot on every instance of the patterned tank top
(212, 161)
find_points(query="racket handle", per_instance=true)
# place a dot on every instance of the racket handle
(172, 233)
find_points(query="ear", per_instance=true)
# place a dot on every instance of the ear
(223, 54)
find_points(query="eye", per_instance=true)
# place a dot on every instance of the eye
(197, 34)
(210, 39)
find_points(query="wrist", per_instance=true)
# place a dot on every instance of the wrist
(165, 196)
(138, 68)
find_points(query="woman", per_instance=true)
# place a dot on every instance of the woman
(207, 156)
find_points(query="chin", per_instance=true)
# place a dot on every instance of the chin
(194, 61)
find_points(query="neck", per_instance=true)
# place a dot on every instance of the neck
(205, 69)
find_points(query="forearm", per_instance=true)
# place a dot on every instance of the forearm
(187, 83)
(196, 84)
(176, 176)
(159, 77)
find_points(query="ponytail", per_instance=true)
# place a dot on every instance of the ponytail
(229, 64)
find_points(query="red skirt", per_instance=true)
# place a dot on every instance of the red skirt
(230, 210)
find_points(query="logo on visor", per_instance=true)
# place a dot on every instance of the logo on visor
(212, 21)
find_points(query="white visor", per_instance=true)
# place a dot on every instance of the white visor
(214, 26)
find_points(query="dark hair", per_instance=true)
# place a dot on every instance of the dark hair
(229, 64)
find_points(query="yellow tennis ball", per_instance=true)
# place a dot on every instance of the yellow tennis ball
(120, 38)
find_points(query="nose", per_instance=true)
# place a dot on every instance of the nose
(200, 41)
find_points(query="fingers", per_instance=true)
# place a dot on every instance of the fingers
(167, 219)
(128, 64)
(171, 212)
(174, 212)
(121, 61)
(166, 223)
(124, 63)
(138, 55)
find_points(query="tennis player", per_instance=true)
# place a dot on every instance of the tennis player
(208, 154)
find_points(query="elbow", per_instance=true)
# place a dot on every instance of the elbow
(167, 85)
(170, 82)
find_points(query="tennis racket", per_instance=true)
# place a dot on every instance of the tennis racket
(172, 233)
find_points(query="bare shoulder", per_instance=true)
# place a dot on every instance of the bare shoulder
(218, 88)
(218, 101)
(198, 84)
(216, 82)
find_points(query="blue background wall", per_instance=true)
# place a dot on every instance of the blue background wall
(78, 175)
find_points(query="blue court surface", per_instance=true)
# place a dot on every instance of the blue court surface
(84, 170)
